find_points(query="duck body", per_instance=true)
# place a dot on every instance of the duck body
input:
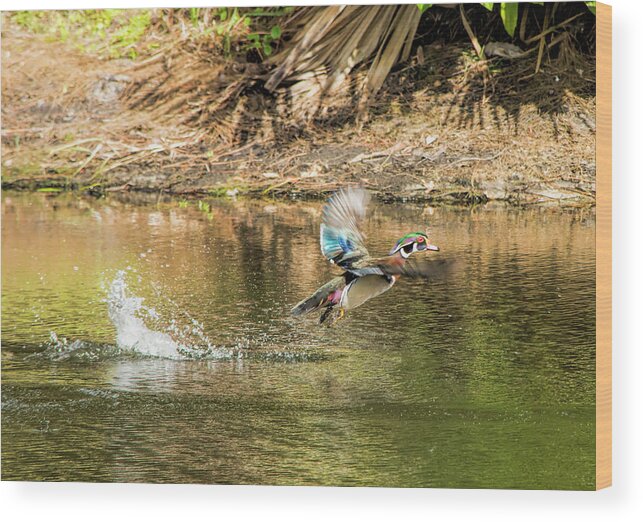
(363, 277)
(346, 291)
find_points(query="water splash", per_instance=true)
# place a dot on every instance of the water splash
(130, 316)
(171, 333)
(60, 349)
(131, 331)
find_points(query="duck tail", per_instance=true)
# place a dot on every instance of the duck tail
(322, 297)
(309, 304)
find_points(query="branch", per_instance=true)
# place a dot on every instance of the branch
(472, 36)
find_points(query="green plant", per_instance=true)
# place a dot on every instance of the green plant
(125, 38)
(119, 32)
(228, 20)
(115, 32)
(263, 41)
(194, 16)
(508, 14)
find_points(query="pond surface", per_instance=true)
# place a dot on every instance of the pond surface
(153, 343)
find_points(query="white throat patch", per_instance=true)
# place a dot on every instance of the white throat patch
(406, 254)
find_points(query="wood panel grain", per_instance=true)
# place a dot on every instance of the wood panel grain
(603, 245)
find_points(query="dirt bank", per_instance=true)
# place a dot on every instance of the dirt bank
(444, 128)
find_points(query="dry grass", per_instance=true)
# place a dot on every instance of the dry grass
(443, 126)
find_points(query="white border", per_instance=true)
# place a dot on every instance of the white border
(623, 501)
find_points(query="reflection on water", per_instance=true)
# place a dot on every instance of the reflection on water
(154, 343)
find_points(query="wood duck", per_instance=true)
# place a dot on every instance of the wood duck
(364, 277)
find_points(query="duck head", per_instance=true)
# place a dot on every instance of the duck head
(413, 242)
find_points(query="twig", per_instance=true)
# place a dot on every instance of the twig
(98, 171)
(27, 130)
(277, 185)
(290, 158)
(541, 45)
(388, 152)
(89, 158)
(551, 29)
(473, 158)
(575, 190)
(129, 159)
(523, 23)
(226, 162)
(552, 43)
(472, 36)
(71, 145)
(154, 58)
(236, 151)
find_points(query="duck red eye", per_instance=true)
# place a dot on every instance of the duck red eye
(420, 239)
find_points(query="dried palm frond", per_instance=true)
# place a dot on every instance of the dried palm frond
(329, 42)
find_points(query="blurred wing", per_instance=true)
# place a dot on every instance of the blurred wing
(424, 269)
(341, 241)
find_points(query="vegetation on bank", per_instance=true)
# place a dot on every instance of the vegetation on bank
(256, 33)
(201, 94)
(118, 33)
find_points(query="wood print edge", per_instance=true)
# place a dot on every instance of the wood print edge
(603, 245)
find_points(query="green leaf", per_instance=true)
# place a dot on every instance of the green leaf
(194, 15)
(423, 7)
(235, 17)
(275, 32)
(509, 15)
(592, 7)
(267, 49)
(488, 5)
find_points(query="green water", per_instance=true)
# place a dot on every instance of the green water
(152, 342)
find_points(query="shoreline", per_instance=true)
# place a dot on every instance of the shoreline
(444, 131)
